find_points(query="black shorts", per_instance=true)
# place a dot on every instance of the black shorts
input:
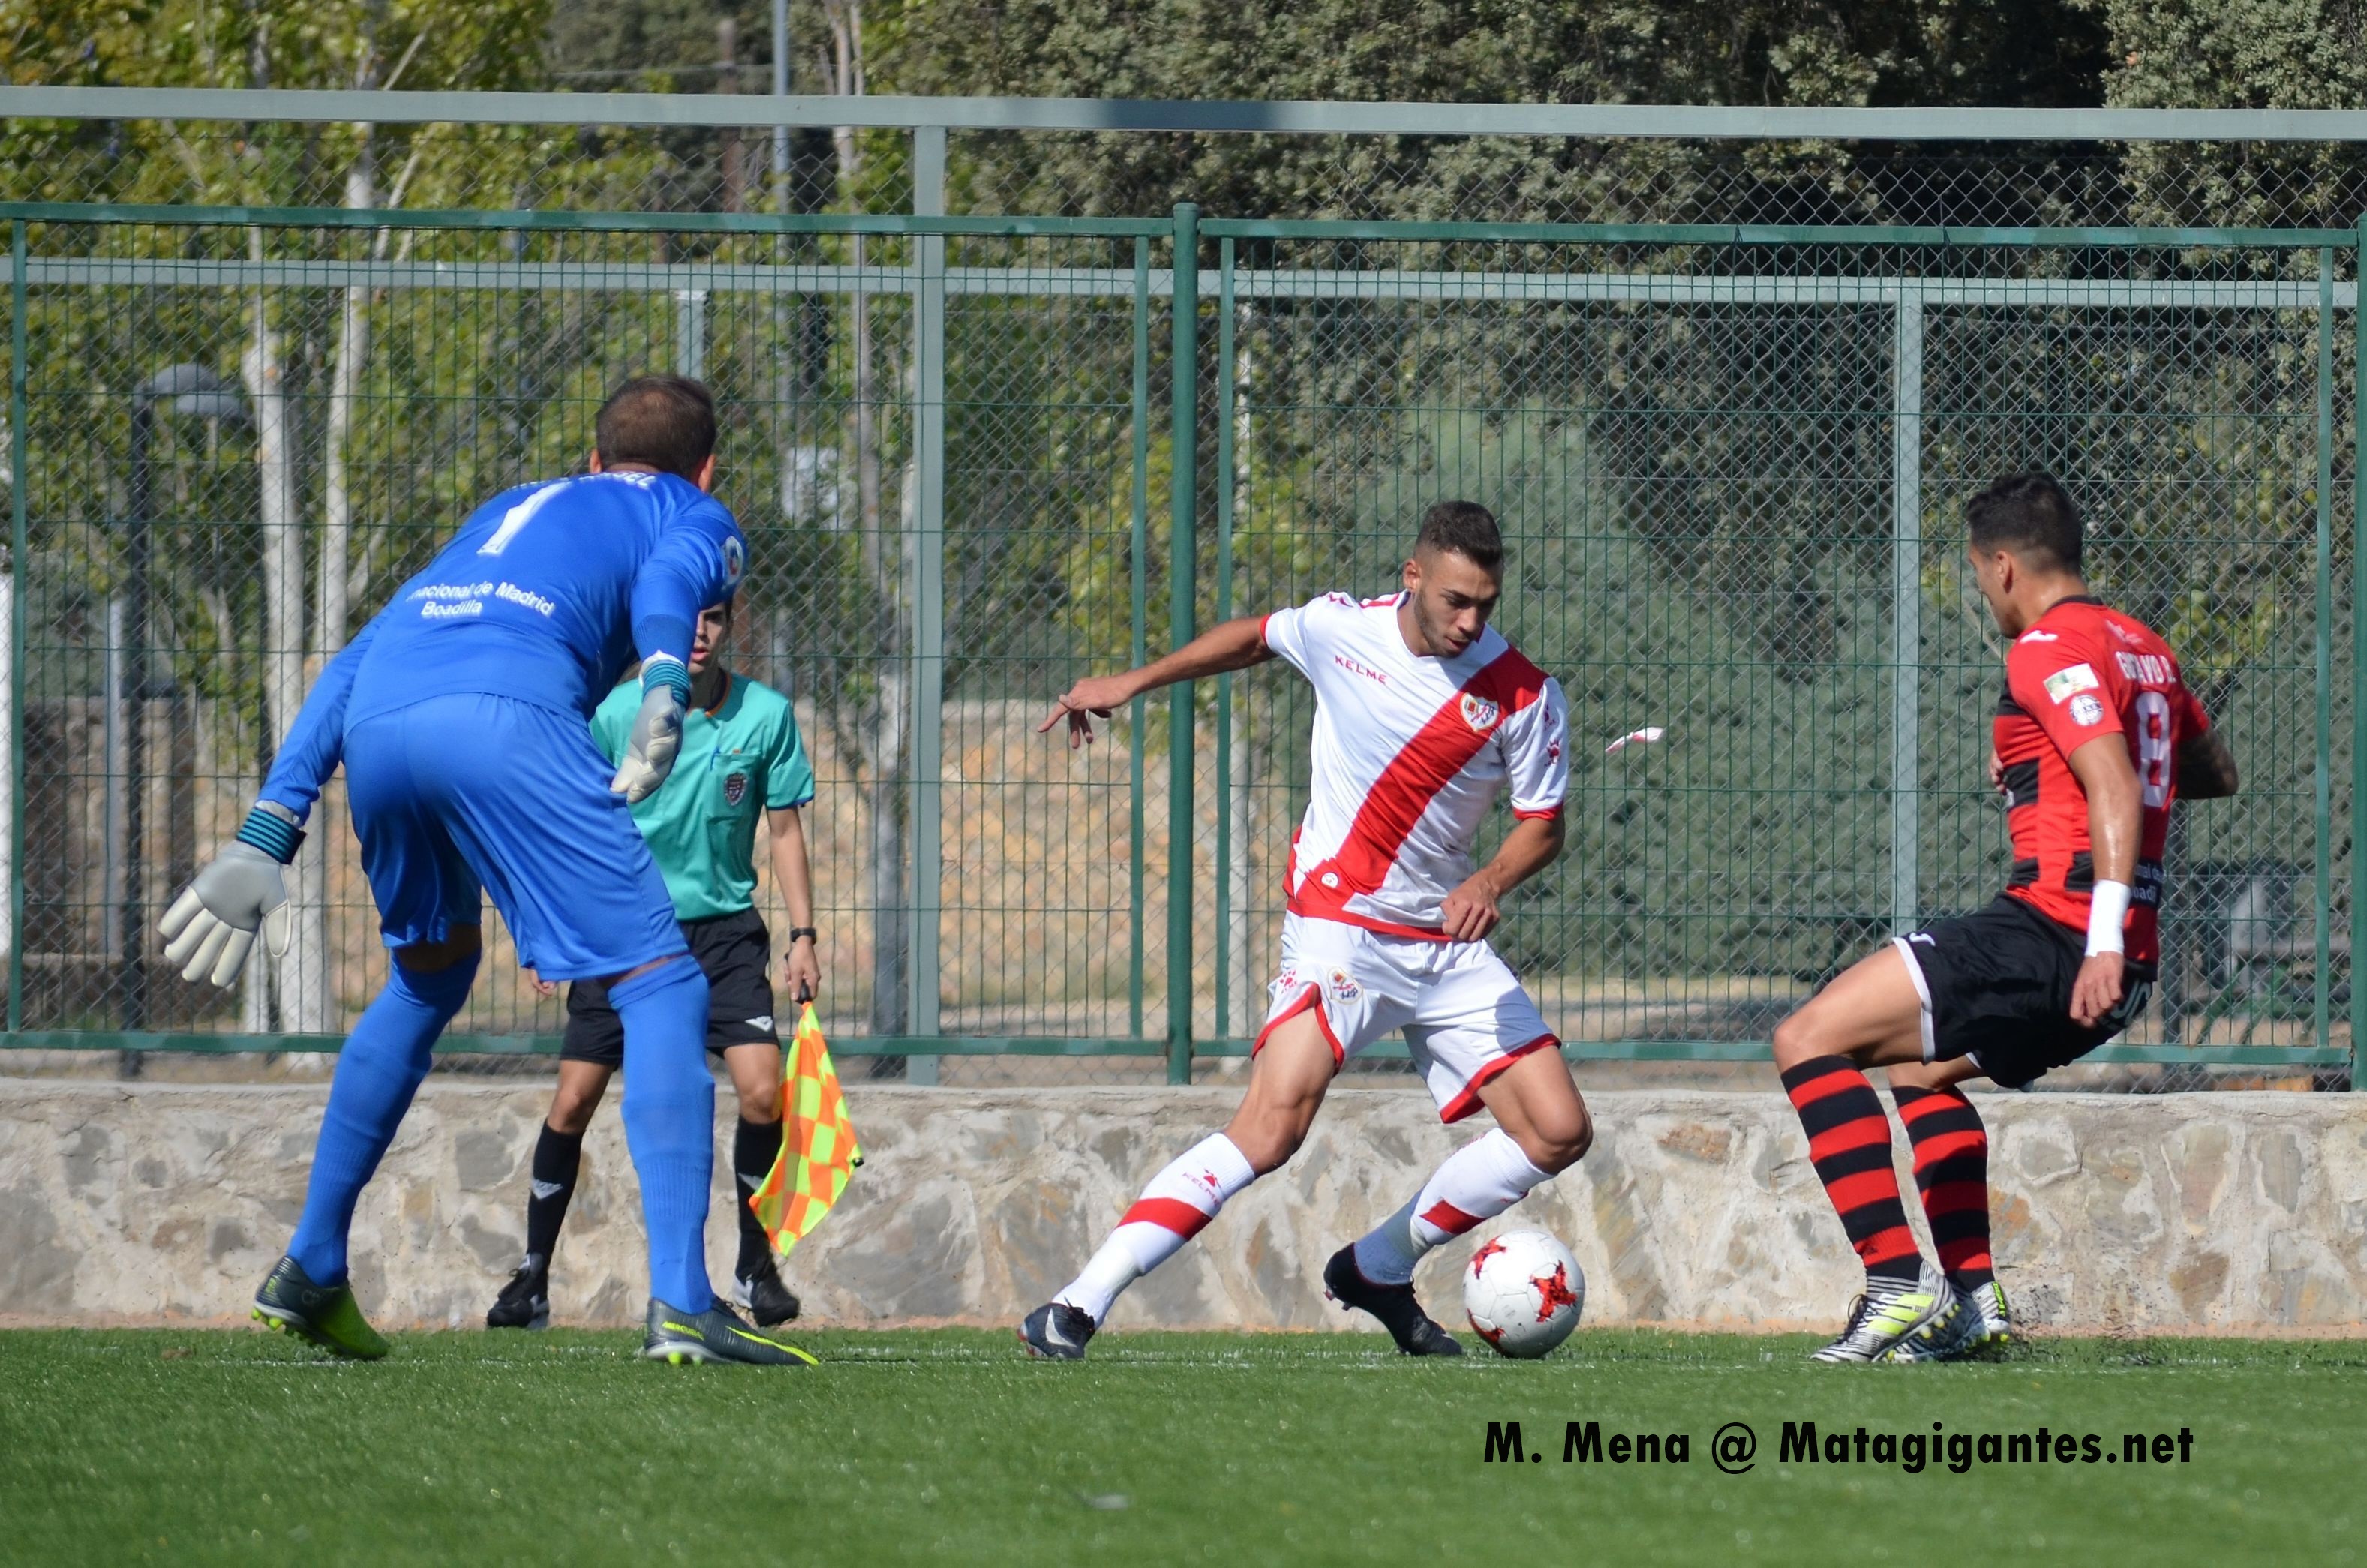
(735, 950)
(1995, 986)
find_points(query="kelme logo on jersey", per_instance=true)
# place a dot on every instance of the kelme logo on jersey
(735, 788)
(2066, 683)
(1480, 713)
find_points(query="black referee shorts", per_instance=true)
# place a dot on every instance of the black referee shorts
(1995, 986)
(735, 950)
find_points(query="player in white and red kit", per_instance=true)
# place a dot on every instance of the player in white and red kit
(1423, 716)
(2095, 739)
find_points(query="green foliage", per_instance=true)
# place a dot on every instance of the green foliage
(1868, 51)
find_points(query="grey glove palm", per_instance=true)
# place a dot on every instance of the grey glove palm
(209, 928)
(655, 740)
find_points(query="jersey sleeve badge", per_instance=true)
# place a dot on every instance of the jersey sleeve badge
(2072, 679)
(2086, 711)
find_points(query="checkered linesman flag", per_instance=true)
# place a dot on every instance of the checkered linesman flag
(819, 1152)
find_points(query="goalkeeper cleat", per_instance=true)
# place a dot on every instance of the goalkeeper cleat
(1890, 1312)
(718, 1334)
(1415, 1331)
(525, 1302)
(764, 1298)
(325, 1316)
(1056, 1331)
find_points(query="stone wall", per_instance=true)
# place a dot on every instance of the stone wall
(2211, 1213)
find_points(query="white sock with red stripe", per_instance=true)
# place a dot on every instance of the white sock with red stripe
(1479, 1181)
(1179, 1201)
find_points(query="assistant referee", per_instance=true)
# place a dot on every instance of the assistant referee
(742, 757)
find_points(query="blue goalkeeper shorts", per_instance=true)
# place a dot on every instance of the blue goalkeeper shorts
(456, 796)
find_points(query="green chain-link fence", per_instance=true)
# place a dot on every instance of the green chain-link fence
(1730, 463)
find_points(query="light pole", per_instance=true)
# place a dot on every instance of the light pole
(183, 390)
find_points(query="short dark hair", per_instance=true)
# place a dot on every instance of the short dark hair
(667, 422)
(1466, 527)
(2029, 513)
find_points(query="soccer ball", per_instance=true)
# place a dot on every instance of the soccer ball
(1524, 1292)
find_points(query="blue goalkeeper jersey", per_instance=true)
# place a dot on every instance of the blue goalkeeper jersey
(544, 595)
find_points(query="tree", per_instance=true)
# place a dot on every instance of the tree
(302, 425)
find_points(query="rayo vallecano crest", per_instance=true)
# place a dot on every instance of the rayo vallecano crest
(1480, 713)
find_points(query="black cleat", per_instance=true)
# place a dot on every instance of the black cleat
(525, 1302)
(1395, 1305)
(764, 1298)
(717, 1335)
(1055, 1332)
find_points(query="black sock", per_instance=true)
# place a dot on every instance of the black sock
(557, 1156)
(753, 1151)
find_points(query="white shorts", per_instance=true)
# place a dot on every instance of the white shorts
(1465, 1014)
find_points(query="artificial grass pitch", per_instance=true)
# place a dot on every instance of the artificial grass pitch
(124, 1445)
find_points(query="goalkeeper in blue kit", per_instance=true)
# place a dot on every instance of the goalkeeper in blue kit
(461, 715)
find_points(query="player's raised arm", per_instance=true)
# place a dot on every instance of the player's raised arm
(698, 564)
(1235, 645)
(2115, 824)
(211, 927)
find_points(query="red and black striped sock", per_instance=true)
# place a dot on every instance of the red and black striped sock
(1952, 1172)
(1849, 1144)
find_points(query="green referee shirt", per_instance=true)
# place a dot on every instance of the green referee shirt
(738, 757)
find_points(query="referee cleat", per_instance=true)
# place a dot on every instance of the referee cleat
(1055, 1332)
(764, 1298)
(1891, 1312)
(681, 1340)
(1414, 1329)
(525, 1302)
(325, 1316)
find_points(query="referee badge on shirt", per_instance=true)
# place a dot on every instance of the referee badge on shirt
(735, 788)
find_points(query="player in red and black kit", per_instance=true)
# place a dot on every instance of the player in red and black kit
(2096, 737)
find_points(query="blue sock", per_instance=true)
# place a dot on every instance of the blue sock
(378, 1071)
(670, 1123)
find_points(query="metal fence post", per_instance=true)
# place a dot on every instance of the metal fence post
(2358, 656)
(1227, 459)
(928, 592)
(17, 436)
(2322, 803)
(1183, 570)
(1138, 650)
(1905, 607)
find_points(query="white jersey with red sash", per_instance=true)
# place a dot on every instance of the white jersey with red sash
(1410, 753)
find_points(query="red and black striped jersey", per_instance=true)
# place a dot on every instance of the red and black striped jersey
(2086, 671)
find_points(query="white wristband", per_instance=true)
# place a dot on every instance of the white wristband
(2108, 908)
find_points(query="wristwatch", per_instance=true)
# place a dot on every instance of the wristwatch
(806, 931)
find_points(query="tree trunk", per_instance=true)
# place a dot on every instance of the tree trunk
(1239, 956)
(345, 387)
(302, 975)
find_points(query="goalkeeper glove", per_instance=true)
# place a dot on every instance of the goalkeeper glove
(657, 730)
(209, 928)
